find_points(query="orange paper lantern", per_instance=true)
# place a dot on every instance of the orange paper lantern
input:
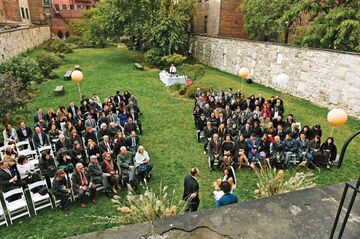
(244, 72)
(337, 117)
(77, 76)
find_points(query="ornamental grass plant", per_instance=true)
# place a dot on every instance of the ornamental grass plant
(272, 182)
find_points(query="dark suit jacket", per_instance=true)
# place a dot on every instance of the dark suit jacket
(70, 110)
(213, 148)
(76, 180)
(129, 142)
(36, 117)
(36, 140)
(21, 136)
(4, 179)
(190, 186)
(104, 148)
(128, 128)
(59, 145)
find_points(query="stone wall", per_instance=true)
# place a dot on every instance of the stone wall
(326, 78)
(15, 42)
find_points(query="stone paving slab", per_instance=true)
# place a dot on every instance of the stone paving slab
(304, 214)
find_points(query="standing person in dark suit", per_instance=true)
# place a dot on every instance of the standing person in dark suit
(39, 116)
(23, 132)
(191, 190)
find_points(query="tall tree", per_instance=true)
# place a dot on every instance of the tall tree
(333, 24)
(162, 24)
(13, 98)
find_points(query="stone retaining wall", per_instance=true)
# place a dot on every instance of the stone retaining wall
(13, 43)
(326, 78)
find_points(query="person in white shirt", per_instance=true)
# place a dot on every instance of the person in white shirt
(172, 69)
(26, 170)
(9, 135)
(142, 162)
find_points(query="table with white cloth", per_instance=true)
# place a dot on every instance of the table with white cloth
(169, 79)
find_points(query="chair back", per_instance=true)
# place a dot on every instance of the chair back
(12, 193)
(37, 184)
(21, 145)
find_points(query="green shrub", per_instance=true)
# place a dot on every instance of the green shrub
(23, 69)
(176, 86)
(6, 28)
(183, 89)
(57, 46)
(153, 57)
(190, 91)
(53, 75)
(175, 59)
(192, 72)
(47, 62)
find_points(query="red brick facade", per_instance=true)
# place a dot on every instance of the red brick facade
(222, 18)
(66, 12)
(39, 11)
(231, 20)
(11, 10)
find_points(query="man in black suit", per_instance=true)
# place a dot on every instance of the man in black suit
(40, 139)
(215, 151)
(209, 130)
(63, 143)
(132, 142)
(118, 98)
(72, 109)
(23, 132)
(8, 177)
(107, 146)
(130, 126)
(83, 186)
(191, 190)
(39, 116)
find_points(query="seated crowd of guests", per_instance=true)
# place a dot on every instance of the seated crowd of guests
(94, 144)
(247, 131)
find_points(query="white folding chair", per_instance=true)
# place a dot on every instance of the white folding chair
(3, 219)
(2, 151)
(298, 125)
(17, 208)
(39, 201)
(23, 145)
(32, 157)
(48, 148)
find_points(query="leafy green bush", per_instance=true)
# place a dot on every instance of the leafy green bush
(175, 59)
(53, 75)
(23, 69)
(47, 62)
(183, 89)
(190, 91)
(193, 72)
(176, 86)
(153, 57)
(57, 46)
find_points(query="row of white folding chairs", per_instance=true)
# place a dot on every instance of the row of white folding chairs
(19, 207)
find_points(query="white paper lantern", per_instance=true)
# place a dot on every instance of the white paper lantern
(282, 79)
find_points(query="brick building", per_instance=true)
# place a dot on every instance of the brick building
(40, 11)
(219, 18)
(65, 11)
(10, 11)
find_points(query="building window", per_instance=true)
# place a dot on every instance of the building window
(22, 13)
(205, 24)
(72, 7)
(27, 13)
(46, 2)
(78, 7)
(87, 7)
(57, 7)
(64, 7)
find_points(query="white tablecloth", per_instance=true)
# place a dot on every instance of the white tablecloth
(167, 79)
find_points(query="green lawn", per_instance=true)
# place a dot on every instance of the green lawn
(169, 135)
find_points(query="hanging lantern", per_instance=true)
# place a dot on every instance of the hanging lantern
(337, 117)
(244, 72)
(77, 76)
(282, 79)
